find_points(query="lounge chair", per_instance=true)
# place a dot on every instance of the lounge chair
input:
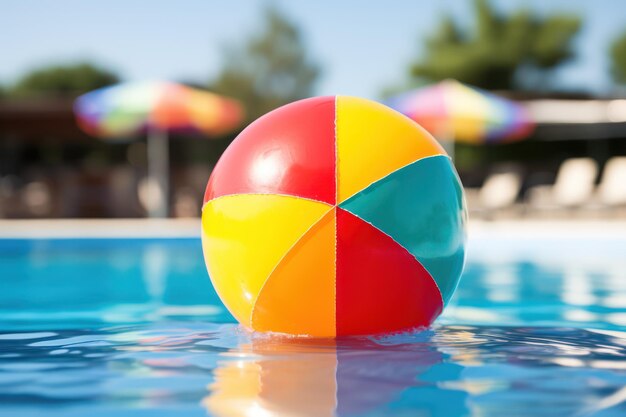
(611, 191)
(498, 192)
(573, 187)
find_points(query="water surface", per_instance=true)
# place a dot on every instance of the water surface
(133, 328)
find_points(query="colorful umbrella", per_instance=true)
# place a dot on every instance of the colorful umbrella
(456, 112)
(155, 108)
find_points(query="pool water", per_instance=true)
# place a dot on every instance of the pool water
(132, 327)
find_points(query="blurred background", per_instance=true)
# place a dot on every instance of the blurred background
(528, 96)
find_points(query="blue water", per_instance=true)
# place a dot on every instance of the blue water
(133, 328)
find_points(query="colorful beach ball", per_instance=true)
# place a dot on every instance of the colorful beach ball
(334, 216)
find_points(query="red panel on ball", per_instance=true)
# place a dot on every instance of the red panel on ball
(380, 286)
(288, 151)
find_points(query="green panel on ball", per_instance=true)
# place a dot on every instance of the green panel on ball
(421, 207)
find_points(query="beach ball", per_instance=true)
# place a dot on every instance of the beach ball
(334, 216)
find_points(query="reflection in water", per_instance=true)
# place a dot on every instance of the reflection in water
(289, 377)
(308, 377)
(577, 282)
(154, 268)
(65, 284)
(200, 369)
(531, 293)
(452, 371)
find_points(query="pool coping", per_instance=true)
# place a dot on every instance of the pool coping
(190, 228)
(99, 228)
(549, 228)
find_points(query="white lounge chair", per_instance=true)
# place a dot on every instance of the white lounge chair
(498, 193)
(611, 191)
(500, 190)
(573, 187)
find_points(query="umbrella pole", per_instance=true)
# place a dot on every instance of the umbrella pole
(446, 138)
(158, 172)
(448, 145)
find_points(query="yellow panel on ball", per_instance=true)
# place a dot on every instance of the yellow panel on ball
(372, 142)
(299, 296)
(245, 236)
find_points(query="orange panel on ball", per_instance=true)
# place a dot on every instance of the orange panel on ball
(299, 296)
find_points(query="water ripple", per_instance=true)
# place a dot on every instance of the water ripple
(224, 370)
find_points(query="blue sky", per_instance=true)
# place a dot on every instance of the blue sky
(362, 46)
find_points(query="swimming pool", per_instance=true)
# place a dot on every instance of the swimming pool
(132, 327)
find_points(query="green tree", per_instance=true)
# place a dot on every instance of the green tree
(268, 70)
(618, 59)
(64, 80)
(516, 51)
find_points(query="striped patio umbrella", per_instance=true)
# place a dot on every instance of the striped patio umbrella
(453, 111)
(155, 108)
